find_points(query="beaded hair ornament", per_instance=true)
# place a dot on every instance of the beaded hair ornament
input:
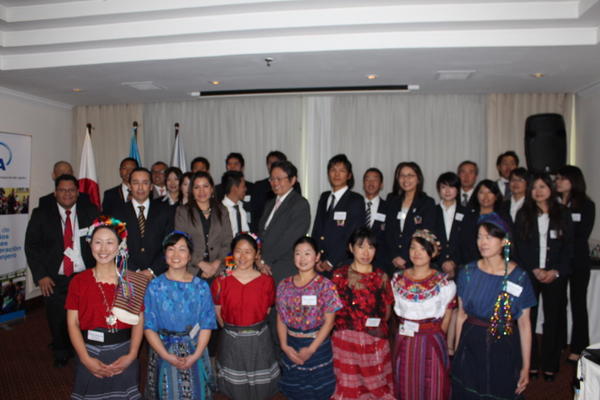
(175, 232)
(127, 288)
(501, 321)
(427, 235)
(230, 261)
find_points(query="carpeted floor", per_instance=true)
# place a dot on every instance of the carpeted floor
(26, 371)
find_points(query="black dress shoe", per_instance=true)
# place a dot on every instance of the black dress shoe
(548, 377)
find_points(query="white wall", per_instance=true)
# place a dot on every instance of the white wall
(588, 146)
(50, 126)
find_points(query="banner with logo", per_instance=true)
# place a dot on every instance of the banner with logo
(15, 168)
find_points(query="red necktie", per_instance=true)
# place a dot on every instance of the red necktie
(68, 242)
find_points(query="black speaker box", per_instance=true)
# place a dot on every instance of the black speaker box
(545, 142)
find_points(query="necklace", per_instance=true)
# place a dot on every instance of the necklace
(111, 319)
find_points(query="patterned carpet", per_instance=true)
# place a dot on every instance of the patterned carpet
(26, 371)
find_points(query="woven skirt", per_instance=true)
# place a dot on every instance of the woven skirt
(246, 363)
(122, 386)
(362, 365)
(164, 381)
(486, 368)
(313, 380)
(422, 366)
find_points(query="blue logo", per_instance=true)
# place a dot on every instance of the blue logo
(5, 156)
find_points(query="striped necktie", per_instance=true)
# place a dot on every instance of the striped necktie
(368, 210)
(142, 221)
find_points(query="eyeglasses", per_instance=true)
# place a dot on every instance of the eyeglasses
(278, 179)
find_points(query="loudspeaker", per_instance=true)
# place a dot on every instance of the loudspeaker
(545, 142)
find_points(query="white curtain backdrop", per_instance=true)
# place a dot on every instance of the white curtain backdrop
(506, 115)
(213, 128)
(435, 131)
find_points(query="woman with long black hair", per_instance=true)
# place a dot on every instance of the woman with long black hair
(544, 247)
(571, 187)
(409, 209)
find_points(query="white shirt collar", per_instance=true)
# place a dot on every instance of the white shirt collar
(146, 205)
(283, 196)
(339, 193)
(227, 202)
(63, 211)
(374, 202)
(124, 190)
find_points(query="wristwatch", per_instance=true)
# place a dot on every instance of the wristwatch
(557, 274)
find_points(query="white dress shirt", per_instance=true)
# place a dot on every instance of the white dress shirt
(543, 223)
(469, 193)
(78, 264)
(125, 191)
(502, 182)
(374, 207)
(229, 204)
(338, 195)
(281, 199)
(515, 206)
(448, 217)
(136, 205)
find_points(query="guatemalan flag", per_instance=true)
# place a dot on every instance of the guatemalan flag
(134, 151)
(88, 182)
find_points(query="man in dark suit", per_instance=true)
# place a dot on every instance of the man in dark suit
(375, 209)
(159, 180)
(339, 213)
(467, 172)
(148, 222)
(236, 162)
(119, 195)
(285, 220)
(61, 168)
(262, 189)
(56, 250)
(200, 164)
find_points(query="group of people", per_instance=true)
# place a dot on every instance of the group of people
(250, 314)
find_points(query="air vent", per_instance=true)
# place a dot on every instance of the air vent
(457, 75)
(145, 85)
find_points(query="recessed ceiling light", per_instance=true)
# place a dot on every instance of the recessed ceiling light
(76, 90)
(372, 76)
(194, 94)
(144, 85)
(454, 75)
(538, 74)
(215, 82)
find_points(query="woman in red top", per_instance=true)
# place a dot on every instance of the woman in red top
(361, 351)
(246, 363)
(107, 348)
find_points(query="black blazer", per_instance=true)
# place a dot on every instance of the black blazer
(262, 193)
(451, 245)
(44, 239)
(147, 252)
(583, 222)
(332, 236)
(220, 194)
(559, 250)
(49, 200)
(112, 200)
(421, 215)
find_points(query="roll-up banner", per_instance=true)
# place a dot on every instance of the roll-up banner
(15, 168)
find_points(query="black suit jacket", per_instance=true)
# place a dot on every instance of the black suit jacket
(583, 218)
(451, 245)
(262, 193)
(332, 236)
(289, 223)
(147, 252)
(220, 194)
(559, 250)
(44, 239)
(421, 215)
(49, 200)
(112, 200)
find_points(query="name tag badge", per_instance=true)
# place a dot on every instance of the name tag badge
(95, 336)
(411, 326)
(309, 300)
(72, 254)
(247, 198)
(418, 219)
(401, 215)
(553, 234)
(459, 216)
(82, 232)
(405, 332)
(576, 217)
(248, 216)
(195, 330)
(339, 215)
(379, 217)
(513, 288)
(372, 322)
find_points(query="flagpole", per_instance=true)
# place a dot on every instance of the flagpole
(135, 128)
(176, 129)
(89, 128)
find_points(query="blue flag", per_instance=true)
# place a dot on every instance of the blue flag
(133, 148)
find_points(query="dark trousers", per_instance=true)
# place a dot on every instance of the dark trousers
(578, 285)
(57, 318)
(554, 296)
